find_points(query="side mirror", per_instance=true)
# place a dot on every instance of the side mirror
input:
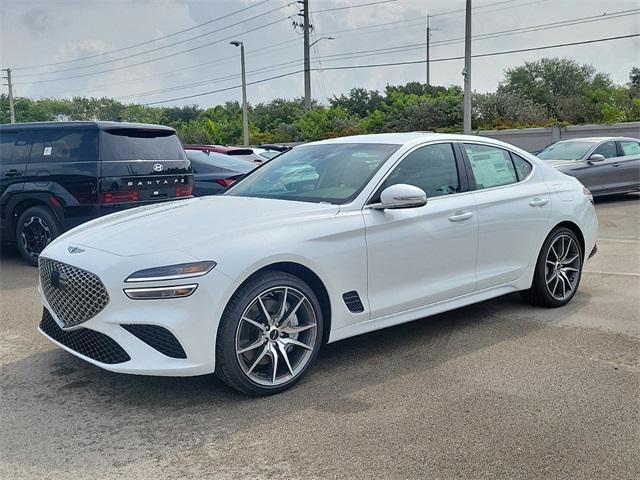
(595, 158)
(400, 196)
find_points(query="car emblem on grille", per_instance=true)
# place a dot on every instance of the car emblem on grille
(71, 249)
(58, 280)
(158, 167)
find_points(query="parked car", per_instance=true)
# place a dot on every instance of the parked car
(214, 172)
(57, 175)
(391, 228)
(605, 165)
(241, 153)
(270, 151)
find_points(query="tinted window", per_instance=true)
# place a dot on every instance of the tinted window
(569, 150)
(210, 162)
(139, 144)
(523, 168)
(431, 168)
(491, 166)
(7, 141)
(65, 146)
(326, 172)
(607, 150)
(630, 147)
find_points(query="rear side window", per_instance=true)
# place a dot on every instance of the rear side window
(629, 147)
(56, 146)
(523, 168)
(607, 149)
(140, 144)
(15, 148)
(491, 166)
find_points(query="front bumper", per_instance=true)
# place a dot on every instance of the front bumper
(166, 337)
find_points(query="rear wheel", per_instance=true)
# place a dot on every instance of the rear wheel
(558, 270)
(36, 228)
(269, 334)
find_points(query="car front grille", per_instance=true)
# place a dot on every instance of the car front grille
(75, 295)
(89, 343)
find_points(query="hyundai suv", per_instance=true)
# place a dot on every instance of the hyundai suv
(57, 175)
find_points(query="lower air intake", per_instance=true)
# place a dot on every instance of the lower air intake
(159, 338)
(92, 344)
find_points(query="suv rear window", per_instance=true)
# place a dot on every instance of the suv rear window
(65, 146)
(140, 144)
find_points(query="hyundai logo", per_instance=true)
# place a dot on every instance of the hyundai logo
(158, 167)
(58, 280)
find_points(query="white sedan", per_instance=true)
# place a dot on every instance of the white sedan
(329, 240)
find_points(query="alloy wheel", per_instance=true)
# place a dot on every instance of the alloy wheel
(562, 267)
(36, 235)
(276, 335)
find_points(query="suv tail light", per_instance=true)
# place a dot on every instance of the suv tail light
(119, 197)
(184, 190)
(225, 182)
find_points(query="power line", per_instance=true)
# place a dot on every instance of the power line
(446, 59)
(144, 52)
(147, 41)
(355, 6)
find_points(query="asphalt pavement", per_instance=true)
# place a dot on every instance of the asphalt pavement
(498, 390)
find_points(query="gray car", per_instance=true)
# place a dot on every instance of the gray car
(605, 165)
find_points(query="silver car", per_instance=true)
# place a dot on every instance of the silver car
(604, 165)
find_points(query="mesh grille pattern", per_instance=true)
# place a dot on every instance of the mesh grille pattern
(89, 343)
(74, 294)
(159, 338)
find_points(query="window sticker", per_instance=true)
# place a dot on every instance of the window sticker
(490, 168)
(47, 151)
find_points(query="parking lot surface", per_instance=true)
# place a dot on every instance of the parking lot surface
(496, 390)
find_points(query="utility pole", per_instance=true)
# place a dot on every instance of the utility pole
(12, 111)
(428, 39)
(307, 51)
(466, 125)
(245, 112)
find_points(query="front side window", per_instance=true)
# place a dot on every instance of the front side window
(491, 166)
(432, 168)
(607, 150)
(330, 172)
(56, 146)
(629, 147)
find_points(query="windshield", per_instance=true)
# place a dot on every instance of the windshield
(566, 151)
(218, 161)
(333, 173)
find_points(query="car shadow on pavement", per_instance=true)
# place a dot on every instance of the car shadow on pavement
(66, 403)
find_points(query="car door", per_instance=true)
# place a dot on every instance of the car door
(627, 165)
(603, 175)
(418, 256)
(513, 208)
(14, 155)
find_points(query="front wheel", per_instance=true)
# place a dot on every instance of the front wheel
(558, 270)
(269, 334)
(36, 228)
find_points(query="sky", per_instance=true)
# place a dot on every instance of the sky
(46, 44)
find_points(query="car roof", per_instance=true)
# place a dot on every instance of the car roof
(596, 139)
(410, 138)
(81, 125)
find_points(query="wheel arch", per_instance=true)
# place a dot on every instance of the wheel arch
(21, 203)
(577, 231)
(311, 278)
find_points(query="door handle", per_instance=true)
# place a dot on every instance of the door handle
(617, 164)
(538, 202)
(12, 173)
(460, 216)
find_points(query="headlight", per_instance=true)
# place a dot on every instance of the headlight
(155, 293)
(172, 272)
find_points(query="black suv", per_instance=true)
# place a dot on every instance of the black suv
(57, 175)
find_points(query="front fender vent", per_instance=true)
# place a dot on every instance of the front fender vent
(353, 302)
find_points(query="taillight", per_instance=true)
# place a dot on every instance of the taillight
(225, 182)
(119, 197)
(184, 190)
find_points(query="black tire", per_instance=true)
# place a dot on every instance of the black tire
(540, 293)
(228, 367)
(36, 228)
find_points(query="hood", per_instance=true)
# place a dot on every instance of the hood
(179, 224)
(561, 163)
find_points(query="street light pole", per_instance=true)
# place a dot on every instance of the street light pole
(307, 56)
(245, 113)
(466, 124)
